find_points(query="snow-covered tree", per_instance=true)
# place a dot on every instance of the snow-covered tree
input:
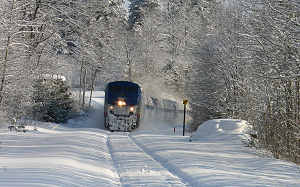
(52, 100)
(145, 22)
(274, 34)
(15, 47)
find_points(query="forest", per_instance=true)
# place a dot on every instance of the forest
(235, 59)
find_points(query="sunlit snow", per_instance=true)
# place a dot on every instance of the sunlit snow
(82, 153)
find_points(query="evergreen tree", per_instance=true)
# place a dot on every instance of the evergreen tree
(52, 100)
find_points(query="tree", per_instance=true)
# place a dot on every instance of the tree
(196, 41)
(16, 76)
(274, 26)
(52, 100)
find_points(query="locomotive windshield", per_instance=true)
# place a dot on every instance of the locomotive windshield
(130, 92)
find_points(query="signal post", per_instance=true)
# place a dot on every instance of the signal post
(185, 102)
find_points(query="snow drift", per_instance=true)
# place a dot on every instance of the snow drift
(222, 128)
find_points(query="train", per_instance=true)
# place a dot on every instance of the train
(123, 106)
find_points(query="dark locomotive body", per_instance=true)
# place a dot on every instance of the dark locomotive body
(122, 106)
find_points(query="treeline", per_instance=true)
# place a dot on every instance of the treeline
(41, 37)
(246, 66)
(230, 59)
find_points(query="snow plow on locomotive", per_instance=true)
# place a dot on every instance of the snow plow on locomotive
(122, 106)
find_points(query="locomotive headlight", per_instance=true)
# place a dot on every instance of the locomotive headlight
(121, 103)
(131, 109)
(111, 107)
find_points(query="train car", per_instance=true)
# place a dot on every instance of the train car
(122, 106)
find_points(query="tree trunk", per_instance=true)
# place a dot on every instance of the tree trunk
(93, 78)
(80, 81)
(84, 87)
(297, 102)
(4, 71)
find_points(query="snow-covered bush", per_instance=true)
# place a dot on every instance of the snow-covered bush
(52, 100)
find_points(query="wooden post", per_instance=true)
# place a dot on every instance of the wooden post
(184, 119)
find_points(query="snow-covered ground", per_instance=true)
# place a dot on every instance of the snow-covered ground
(82, 153)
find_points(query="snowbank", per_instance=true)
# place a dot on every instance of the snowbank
(80, 153)
(222, 128)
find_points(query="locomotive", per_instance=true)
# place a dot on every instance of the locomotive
(122, 106)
